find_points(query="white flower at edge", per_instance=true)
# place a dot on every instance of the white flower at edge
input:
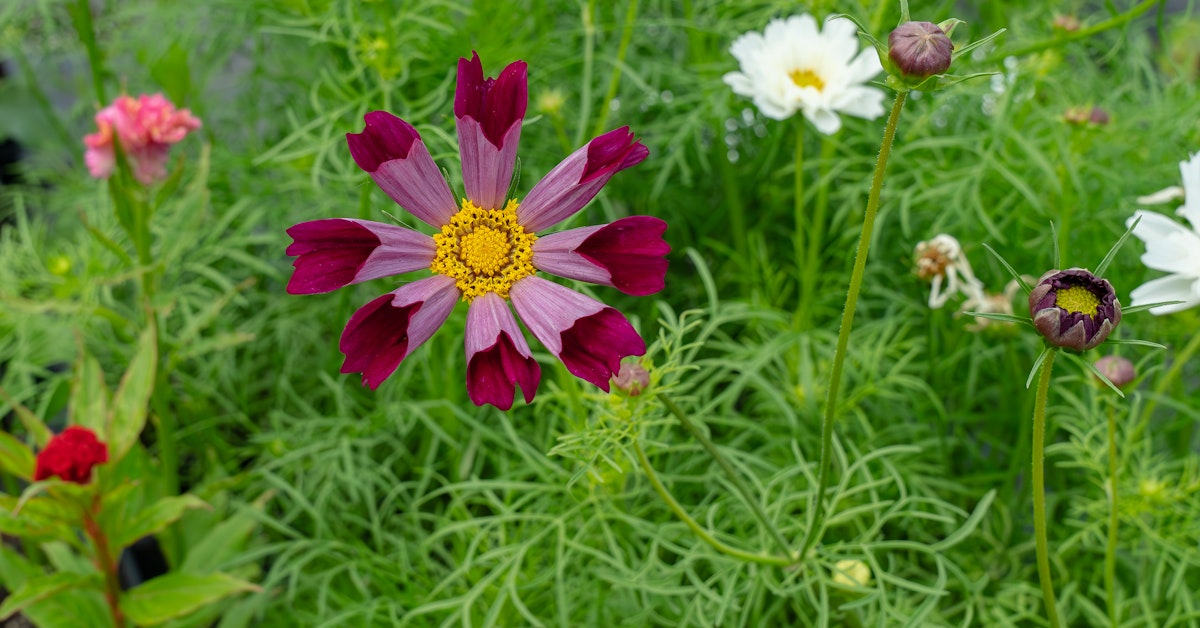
(1173, 248)
(941, 258)
(793, 66)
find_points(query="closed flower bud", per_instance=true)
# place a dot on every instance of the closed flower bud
(1117, 369)
(851, 573)
(1074, 309)
(919, 49)
(633, 378)
(71, 456)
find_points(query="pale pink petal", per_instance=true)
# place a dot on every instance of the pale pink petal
(487, 170)
(391, 151)
(341, 251)
(589, 337)
(488, 114)
(571, 184)
(498, 357)
(385, 331)
(626, 254)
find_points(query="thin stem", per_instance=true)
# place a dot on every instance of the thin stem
(803, 278)
(730, 472)
(104, 562)
(843, 342)
(81, 15)
(1181, 359)
(816, 232)
(1110, 551)
(696, 528)
(589, 52)
(614, 81)
(1039, 489)
(1079, 34)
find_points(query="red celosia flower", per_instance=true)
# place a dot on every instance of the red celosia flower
(487, 250)
(71, 456)
(146, 127)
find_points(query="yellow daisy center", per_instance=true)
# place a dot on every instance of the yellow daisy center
(806, 78)
(484, 250)
(1077, 299)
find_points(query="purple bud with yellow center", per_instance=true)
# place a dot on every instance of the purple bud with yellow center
(1074, 309)
(920, 49)
(1117, 369)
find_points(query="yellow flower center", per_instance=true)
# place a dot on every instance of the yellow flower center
(484, 250)
(806, 78)
(1077, 299)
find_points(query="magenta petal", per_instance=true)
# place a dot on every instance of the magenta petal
(588, 336)
(626, 254)
(340, 251)
(392, 152)
(594, 345)
(385, 331)
(571, 184)
(496, 103)
(497, 356)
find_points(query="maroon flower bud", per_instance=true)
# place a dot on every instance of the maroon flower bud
(71, 456)
(1094, 116)
(633, 378)
(920, 49)
(1074, 309)
(1117, 369)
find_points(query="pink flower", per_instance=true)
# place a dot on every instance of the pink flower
(71, 456)
(487, 251)
(146, 127)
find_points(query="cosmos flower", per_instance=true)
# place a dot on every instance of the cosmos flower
(941, 259)
(1171, 247)
(793, 66)
(1074, 309)
(146, 127)
(488, 251)
(71, 455)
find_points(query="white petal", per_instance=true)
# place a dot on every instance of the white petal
(1190, 170)
(1154, 226)
(1165, 195)
(1169, 288)
(861, 101)
(1175, 253)
(825, 120)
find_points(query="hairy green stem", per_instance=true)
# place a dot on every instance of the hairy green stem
(1039, 489)
(696, 528)
(843, 341)
(735, 479)
(614, 81)
(1110, 550)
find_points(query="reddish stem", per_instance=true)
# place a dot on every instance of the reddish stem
(104, 562)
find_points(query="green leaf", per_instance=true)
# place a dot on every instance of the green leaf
(1037, 364)
(41, 434)
(1112, 252)
(1134, 341)
(1133, 309)
(175, 595)
(38, 589)
(1008, 318)
(15, 457)
(128, 412)
(1011, 271)
(171, 71)
(968, 526)
(157, 516)
(224, 541)
(89, 396)
(15, 569)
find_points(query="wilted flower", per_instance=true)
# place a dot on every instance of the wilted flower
(146, 127)
(71, 456)
(793, 66)
(633, 378)
(919, 50)
(1117, 369)
(1093, 116)
(487, 251)
(991, 303)
(1173, 248)
(941, 259)
(1074, 309)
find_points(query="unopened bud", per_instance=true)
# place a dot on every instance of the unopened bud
(1117, 369)
(1086, 115)
(920, 49)
(1068, 23)
(633, 378)
(1074, 309)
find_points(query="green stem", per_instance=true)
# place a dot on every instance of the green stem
(614, 81)
(104, 561)
(816, 232)
(1110, 550)
(1181, 359)
(803, 279)
(589, 53)
(730, 472)
(736, 208)
(843, 341)
(696, 528)
(1039, 489)
(81, 15)
(1082, 33)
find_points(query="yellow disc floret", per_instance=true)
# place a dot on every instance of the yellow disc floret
(1077, 299)
(806, 78)
(484, 250)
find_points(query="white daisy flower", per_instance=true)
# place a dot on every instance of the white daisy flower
(941, 259)
(1173, 248)
(793, 66)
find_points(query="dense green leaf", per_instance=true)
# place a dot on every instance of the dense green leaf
(37, 589)
(154, 518)
(15, 457)
(177, 594)
(129, 405)
(89, 396)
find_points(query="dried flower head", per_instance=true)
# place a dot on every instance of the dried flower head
(920, 50)
(991, 303)
(71, 456)
(941, 259)
(1074, 309)
(1117, 369)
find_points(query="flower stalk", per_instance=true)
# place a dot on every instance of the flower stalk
(843, 341)
(1039, 488)
(1110, 549)
(105, 562)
